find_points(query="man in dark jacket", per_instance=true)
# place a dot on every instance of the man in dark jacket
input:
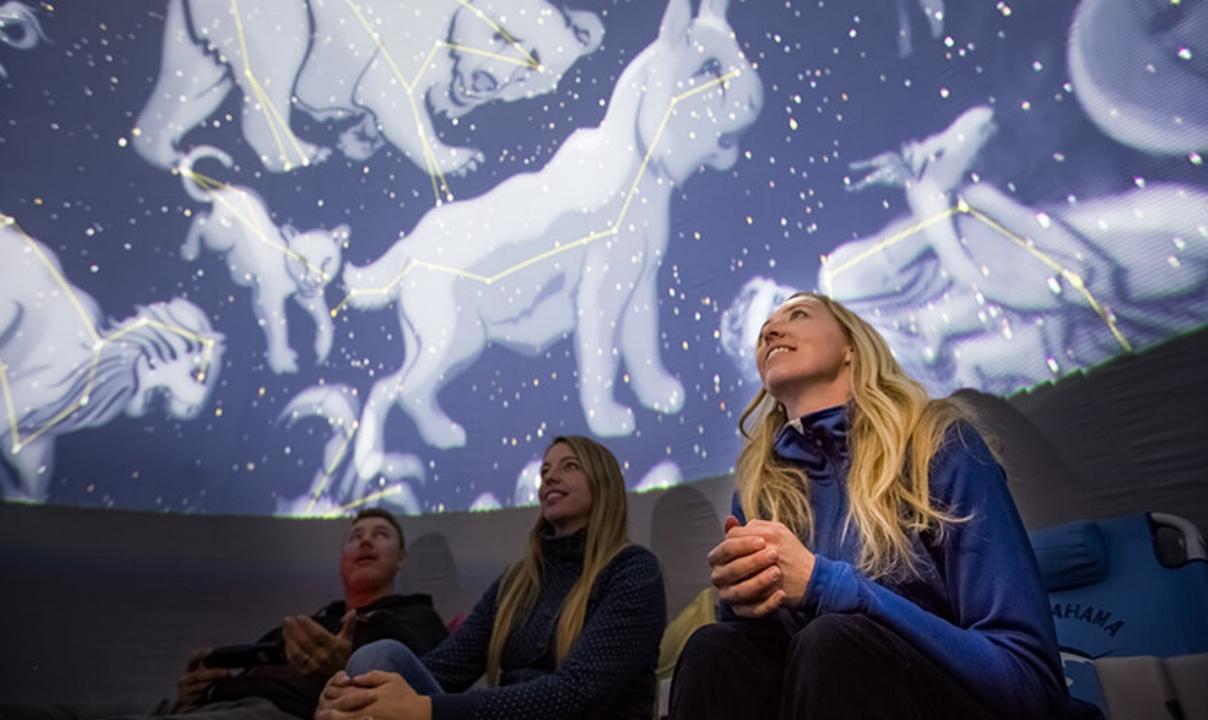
(281, 676)
(304, 651)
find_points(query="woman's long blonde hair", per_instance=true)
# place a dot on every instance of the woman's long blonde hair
(607, 534)
(894, 429)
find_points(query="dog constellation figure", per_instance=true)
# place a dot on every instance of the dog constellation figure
(573, 248)
(275, 264)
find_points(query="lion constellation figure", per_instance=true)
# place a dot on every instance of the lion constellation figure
(424, 57)
(573, 248)
(1000, 294)
(276, 264)
(64, 373)
(19, 28)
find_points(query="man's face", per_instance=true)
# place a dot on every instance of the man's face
(371, 555)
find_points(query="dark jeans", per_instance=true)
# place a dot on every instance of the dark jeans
(837, 666)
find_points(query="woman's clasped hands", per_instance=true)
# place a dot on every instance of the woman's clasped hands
(378, 695)
(759, 567)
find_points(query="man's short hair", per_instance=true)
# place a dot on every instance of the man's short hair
(380, 513)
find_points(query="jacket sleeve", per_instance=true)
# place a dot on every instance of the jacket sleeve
(620, 640)
(461, 659)
(417, 626)
(1002, 645)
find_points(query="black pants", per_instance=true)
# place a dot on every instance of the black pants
(837, 666)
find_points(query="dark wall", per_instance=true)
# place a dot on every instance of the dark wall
(1132, 435)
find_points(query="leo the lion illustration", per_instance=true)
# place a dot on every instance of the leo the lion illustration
(572, 249)
(62, 371)
(387, 66)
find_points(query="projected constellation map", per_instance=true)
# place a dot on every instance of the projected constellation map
(1006, 192)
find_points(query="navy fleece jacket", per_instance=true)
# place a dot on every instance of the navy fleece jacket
(978, 608)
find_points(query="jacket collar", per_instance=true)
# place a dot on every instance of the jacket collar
(817, 442)
(564, 548)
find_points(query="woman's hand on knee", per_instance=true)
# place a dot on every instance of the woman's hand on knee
(341, 698)
(377, 694)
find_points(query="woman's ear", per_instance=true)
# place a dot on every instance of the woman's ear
(847, 356)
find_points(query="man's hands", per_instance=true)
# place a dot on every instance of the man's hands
(309, 648)
(192, 686)
(376, 694)
(760, 567)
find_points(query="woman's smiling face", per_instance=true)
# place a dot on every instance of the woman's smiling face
(803, 351)
(565, 492)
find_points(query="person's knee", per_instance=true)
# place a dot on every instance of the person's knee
(829, 644)
(710, 646)
(389, 655)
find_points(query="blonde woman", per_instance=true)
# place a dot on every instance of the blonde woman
(875, 565)
(571, 630)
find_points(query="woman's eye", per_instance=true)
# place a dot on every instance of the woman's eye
(798, 314)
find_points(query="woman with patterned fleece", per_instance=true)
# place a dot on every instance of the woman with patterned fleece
(572, 629)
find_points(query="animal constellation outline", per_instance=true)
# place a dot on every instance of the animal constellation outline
(99, 343)
(613, 228)
(1072, 277)
(214, 185)
(440, 184)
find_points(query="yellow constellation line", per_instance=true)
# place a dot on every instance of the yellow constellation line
(343, 509)
(1072, 277)
(440, 184)
(558, 248)
(279, 126)
(247, 217)
(98, 344)
(331, 467)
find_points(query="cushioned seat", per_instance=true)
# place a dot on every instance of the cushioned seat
(1130, 586)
